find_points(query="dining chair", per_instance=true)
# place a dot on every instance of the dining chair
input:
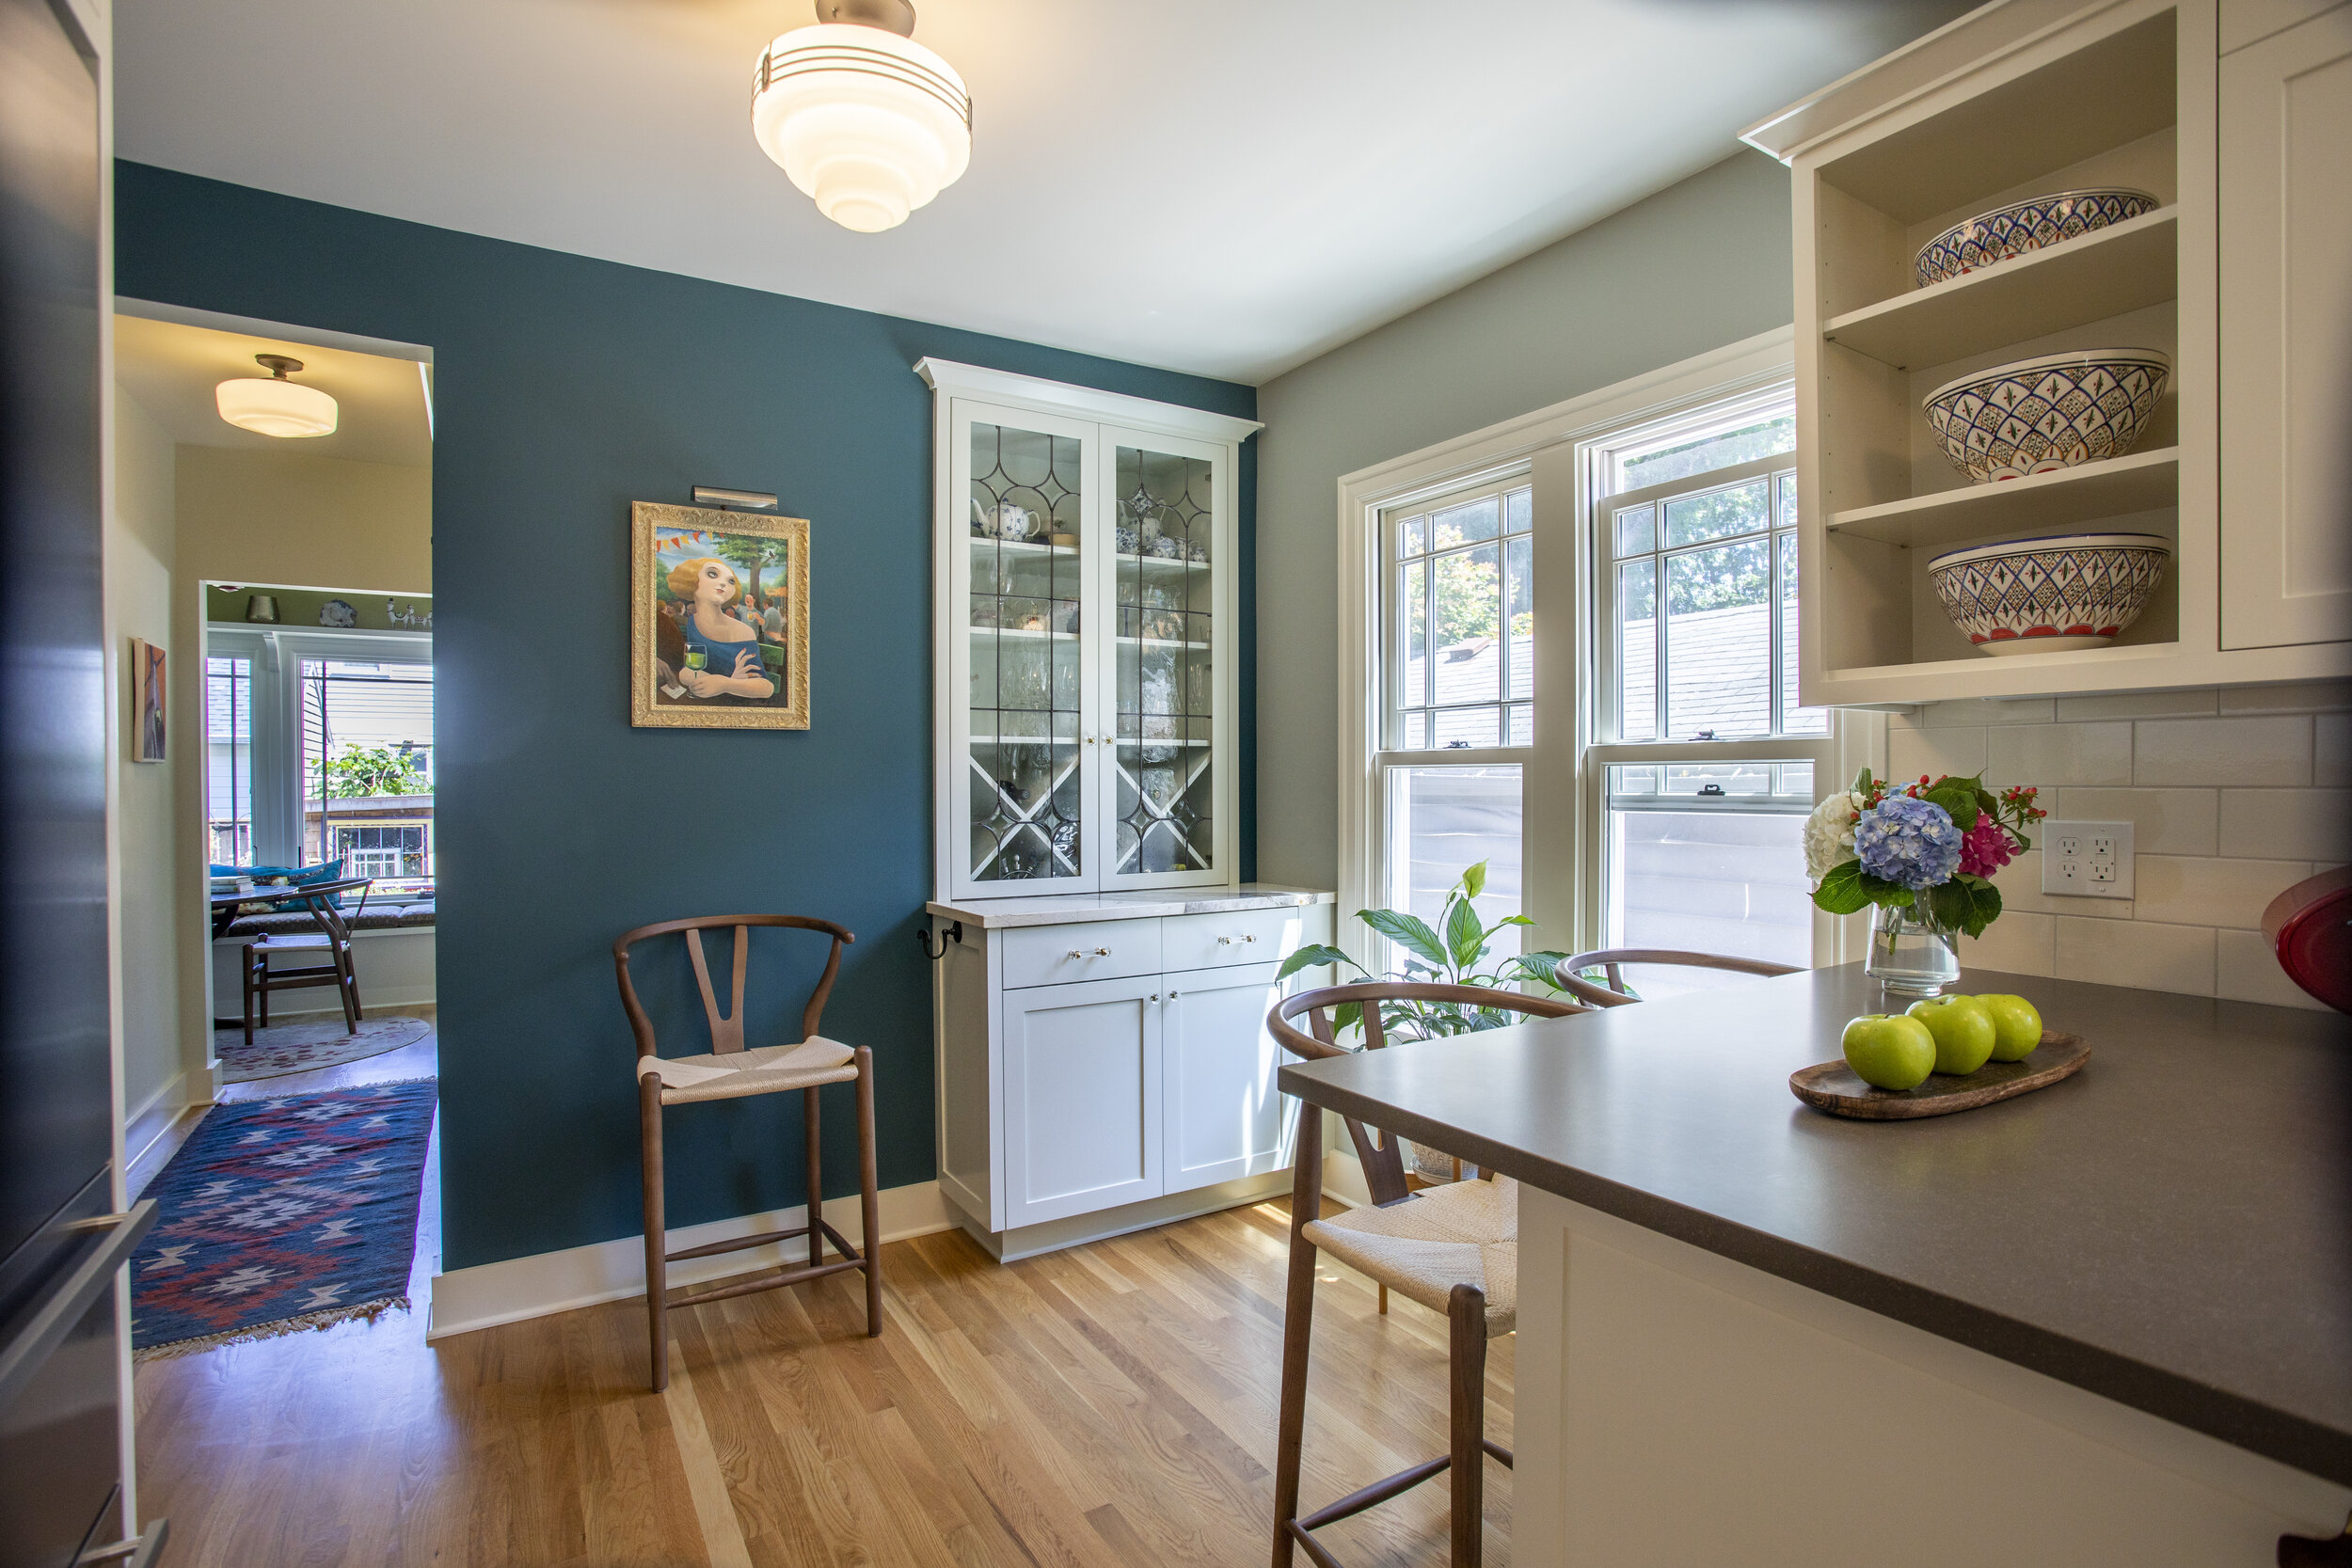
(1568, 974)
(730, 1071)
(332, 940)
(1454, 1248)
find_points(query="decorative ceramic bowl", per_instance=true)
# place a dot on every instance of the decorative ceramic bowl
(2045, 596)
(1992, 237)
(2059, 411)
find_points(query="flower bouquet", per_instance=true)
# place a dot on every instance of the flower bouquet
(1920, 857)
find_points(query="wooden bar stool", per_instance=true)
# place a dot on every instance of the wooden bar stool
(1610, 961)
(1452, 1249)
(729, 1071)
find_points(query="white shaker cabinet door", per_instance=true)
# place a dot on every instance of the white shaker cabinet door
(2286, 337)
(1225, 1118)
(1083, 1113)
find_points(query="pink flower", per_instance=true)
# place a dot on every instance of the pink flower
(1985, 847)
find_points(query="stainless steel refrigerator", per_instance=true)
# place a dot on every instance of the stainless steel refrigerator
(61, 1243)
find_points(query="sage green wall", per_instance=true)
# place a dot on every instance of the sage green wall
(1700, 265)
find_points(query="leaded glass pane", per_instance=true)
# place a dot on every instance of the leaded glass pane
(1024, 768)
(1163, 778)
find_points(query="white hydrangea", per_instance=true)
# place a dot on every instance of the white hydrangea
(1829, 834)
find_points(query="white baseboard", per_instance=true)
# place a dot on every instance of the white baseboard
(494, 1294)
(151, 1118)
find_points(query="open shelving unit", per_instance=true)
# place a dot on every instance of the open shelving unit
(2099, 101)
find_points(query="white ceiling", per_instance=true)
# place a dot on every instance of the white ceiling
(169, 368)
(1222, 186)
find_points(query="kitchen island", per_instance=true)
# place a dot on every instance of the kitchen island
(2106, 1321)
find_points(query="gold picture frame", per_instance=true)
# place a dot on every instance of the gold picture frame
(702, 642)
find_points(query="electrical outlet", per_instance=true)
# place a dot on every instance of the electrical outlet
(2087, 860)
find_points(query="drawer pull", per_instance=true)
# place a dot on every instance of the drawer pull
(1098, 953)
(1228, 942)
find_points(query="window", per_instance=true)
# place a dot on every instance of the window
(228, 758)
(1458, 660)
(1703, 758)
(320, 746)
(1702, 523)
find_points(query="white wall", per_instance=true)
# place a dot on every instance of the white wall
(1703, 263)
(140, 555)
(2234, 795)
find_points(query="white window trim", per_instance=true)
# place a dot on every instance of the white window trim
(1548, 445)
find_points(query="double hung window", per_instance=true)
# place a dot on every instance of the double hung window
(1703, 759)
(1458, 715)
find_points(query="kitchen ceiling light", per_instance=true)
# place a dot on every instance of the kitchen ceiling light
(865, 120)
(274, 407)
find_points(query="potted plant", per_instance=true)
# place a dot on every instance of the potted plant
(1920, 857)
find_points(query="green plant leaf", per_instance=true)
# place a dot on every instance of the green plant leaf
(1959, 801)
(1538, 967)
(1886, 894)
(1347, 1016)
(1407, 930)
(1841, 891)
(1950, 903)
(1509, 919)
(1465, 934)
(1474, 879)
(1862, 782)
(1312, 956)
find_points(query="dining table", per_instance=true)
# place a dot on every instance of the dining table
(311, 896)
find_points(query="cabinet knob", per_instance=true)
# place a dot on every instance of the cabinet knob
(1172, 996)
(1101, 952)
(1155, 996)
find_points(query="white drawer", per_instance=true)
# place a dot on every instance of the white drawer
(1096, 950)
(1242, 936)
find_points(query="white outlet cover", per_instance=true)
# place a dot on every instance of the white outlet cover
(2086, 860)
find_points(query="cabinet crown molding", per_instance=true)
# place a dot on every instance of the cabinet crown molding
(1029, 392)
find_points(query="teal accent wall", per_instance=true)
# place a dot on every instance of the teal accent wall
(566, 388)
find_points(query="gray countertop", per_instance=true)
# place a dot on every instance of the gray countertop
(2171, 1227)
(1068, 907)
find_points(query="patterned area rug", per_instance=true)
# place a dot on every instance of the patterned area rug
(283, 1214)
(284, 1048)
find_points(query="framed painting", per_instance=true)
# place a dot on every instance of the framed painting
(146, 701)
(719, 618)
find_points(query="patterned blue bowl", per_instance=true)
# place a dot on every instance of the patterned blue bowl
(2057, 411)
(2022, 226)
(2047, 595)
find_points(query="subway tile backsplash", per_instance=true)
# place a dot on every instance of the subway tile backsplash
(2234, 794)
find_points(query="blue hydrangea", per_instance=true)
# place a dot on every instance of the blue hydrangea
(1909, 842)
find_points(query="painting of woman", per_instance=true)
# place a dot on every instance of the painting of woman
(719, 619)
(722, 657)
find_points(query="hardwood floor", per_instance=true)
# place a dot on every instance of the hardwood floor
(1111, 1405)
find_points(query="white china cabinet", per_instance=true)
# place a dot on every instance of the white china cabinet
(1102, 980)
(1083, 640)
(2238, 115)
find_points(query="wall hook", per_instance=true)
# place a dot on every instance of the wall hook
(955, 933)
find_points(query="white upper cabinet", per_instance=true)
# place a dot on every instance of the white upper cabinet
(2286, 334)
(1084, 635)
(2232, 276)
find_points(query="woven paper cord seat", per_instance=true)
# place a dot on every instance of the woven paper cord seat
(1463, 1234)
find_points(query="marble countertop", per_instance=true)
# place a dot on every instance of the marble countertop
(1067, 908)
(2171, 1227)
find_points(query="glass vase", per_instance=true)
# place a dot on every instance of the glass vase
(1911, 953)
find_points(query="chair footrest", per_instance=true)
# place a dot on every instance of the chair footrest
(713, 1249)
(765, 1282)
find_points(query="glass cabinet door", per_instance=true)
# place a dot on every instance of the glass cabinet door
(1027, 774)
(1164, 777)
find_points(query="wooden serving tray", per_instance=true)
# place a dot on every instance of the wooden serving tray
(1832, 1086)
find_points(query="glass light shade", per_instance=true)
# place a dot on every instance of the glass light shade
(869, 125)
(274, 407)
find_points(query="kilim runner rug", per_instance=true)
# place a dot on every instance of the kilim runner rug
(283, 1214)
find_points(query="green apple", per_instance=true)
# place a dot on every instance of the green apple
(1963, 1030)
(1889, 1050)
(2017, 1027)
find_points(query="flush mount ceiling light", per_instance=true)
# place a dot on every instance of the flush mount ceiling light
(865, 120)
(275, 406)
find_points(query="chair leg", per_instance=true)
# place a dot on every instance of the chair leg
(1384, 1301)
(870, 1193)
(1465, 1312)
(816, 1176)
(347, 988)
(1297, 1327)
(657, 1238)
(251, 958)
